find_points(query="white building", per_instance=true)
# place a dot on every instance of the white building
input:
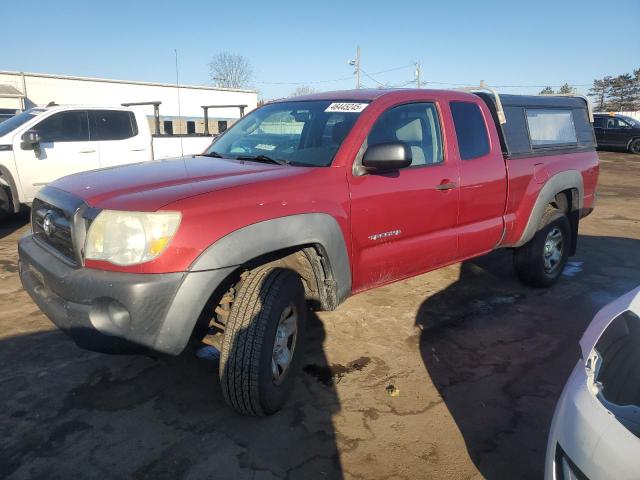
(180, 108)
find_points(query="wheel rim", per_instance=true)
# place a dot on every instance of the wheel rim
(553, 249)
(635, 146)
(285, 343)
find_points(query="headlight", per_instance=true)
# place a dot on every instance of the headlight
(128, 238)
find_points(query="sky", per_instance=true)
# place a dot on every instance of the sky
(524, 44)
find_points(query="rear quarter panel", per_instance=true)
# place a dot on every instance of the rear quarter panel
(528, 175)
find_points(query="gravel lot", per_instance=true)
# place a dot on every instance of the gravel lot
(453, 374)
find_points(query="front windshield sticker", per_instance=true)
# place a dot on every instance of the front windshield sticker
(346, 107)
(263, 146)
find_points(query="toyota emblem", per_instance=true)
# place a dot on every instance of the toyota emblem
(48, 225)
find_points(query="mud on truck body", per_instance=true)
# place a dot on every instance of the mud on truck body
(301, 204)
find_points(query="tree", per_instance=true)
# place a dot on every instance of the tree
(624, 94)
(600, 92)
(546, 91)
(302, 90)
(230, 70)
(566, 89)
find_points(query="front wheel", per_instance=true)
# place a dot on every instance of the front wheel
(539, 263)
(263, 341)
(634, 146)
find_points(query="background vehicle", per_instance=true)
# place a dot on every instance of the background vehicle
(619, 131)
(595, 432)
(311, 199)
(42, 144)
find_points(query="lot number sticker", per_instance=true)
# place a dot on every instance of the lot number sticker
(346, 107)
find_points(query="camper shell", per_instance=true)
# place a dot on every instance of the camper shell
(516, 136)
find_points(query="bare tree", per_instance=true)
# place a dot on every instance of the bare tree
(546, 91)
(302, 90)
(230, 70)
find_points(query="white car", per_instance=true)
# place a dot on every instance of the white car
(43, 144)
(595, 432)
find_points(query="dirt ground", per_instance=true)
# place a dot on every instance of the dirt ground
(453, 374)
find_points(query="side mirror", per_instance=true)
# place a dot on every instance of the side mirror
(386, 157)
(30, 140)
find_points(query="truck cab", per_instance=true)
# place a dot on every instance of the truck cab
(40, 145)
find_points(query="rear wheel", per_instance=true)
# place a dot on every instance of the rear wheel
(634, 146)
(263, 341)
(540, 262)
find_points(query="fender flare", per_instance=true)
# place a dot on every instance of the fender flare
(567, 180)
(253, 241)
(15, 198)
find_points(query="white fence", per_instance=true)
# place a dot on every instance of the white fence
(635, 115)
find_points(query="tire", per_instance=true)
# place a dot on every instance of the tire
(6, 207)
(268, 300)
(540, 266)
(634, 146)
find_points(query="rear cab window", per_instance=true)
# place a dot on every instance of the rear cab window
(112, 125)
(471, 130)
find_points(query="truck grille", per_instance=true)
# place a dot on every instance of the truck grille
(53, 226)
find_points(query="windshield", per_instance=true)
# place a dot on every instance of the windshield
(14, 122)
(631, 121)
(300, 133)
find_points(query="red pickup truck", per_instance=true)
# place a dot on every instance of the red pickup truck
(306, 201)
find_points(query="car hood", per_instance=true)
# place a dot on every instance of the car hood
(151, 185)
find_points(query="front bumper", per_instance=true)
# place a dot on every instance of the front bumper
(116, 312)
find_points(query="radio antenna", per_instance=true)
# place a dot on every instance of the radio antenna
(178, 92)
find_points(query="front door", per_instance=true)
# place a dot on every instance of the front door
(403, 222)
(616, 132)
(65, 148)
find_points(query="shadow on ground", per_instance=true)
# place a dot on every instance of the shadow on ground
(69, 413)
(499, 353)
(10, 224)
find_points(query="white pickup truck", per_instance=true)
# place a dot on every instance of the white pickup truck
(43, 144)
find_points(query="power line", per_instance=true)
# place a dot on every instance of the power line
(313, 82)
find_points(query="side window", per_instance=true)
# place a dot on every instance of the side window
(113, 125)
(191, 127)
(167, 126)
(550, 127)
(471, 131)
(414, 124)
(71, 126)
(598, 122)
(222, 126)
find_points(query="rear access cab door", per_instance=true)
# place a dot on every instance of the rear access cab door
(121, 139)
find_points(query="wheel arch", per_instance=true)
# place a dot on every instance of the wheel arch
(631, 140)
(310, 243)
(7, 178)
(568, 183)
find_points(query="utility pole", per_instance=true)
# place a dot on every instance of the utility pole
(418, 67)
(356, 63)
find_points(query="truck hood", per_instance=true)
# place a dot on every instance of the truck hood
(151, 185)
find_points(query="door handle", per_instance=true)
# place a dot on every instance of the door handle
(446, 186)
(87, 150)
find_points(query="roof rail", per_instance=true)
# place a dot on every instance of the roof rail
(483, 86)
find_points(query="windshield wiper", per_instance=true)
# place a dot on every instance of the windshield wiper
(262, 158)
(212, 154)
